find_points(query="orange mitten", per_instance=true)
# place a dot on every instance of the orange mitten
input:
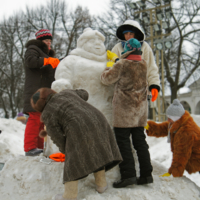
(154, 93)
(51, 61)
(58, 157)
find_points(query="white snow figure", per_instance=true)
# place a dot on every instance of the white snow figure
(82, 69)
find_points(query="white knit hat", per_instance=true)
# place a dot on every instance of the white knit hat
(175, 111)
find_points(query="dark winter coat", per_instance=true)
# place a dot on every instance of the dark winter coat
(35, 77)
(81, 132)
(130, 92)
(185, 143)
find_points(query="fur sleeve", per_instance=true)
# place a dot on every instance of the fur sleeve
(111, 75)
(57, 136)
(182, 149)
(157, 129)
(83, 94)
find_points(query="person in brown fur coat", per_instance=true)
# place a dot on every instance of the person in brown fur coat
(130, 109)
(184, 135)
(82, 133)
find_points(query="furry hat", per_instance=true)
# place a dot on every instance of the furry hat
(40, 97)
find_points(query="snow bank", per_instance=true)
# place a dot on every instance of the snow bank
(26, 178)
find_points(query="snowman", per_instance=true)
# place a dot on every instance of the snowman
(81, 70)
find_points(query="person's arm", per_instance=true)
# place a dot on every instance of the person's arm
(117, 49)
(152, 69)
(64, 75)
(33, 59)
(57, 135)
(82, 93)
(157, 129)
(111, 75)
(183, 143)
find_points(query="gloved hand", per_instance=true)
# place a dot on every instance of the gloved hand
(110, 64)
(154, 93)
(111, 56)
(165, 175)
(51, 61)
(147, 127)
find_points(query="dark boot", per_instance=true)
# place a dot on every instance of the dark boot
(125, 182)
(34, 152)
(145, 180)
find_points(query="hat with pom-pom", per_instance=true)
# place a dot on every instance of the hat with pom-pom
(43, 34)
(175, 111)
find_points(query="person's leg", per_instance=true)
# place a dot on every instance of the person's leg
(71, 191)
(33, 127)
(100, 181)
(141, 147)
(127, 166)
(40, 144)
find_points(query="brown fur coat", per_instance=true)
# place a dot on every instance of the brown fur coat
(130, 92)
(185, 143)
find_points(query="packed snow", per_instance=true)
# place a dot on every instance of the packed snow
(39, 178)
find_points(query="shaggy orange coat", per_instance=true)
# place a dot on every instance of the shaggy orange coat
(185, 143)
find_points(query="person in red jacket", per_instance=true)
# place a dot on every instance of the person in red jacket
(183, 134)
(40, 67)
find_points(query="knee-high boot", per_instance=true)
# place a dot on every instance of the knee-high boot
(100, 181)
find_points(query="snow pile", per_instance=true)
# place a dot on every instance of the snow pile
(27, 178)
(11, 139)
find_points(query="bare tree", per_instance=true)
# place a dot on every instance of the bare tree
(181, 61)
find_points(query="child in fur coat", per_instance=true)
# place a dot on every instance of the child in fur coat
(82, 133)
(130, 110)
(184, 136)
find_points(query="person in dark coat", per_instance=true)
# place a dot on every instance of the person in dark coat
(81, 132)
(39, 72)
(130, 109)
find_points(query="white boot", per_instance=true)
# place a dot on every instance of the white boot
(71, 191)
(100, 181)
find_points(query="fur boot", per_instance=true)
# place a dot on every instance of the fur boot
(100, 181)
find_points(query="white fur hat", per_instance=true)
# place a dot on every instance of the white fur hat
(88, 34)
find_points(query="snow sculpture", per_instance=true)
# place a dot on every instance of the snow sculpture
(82, 69)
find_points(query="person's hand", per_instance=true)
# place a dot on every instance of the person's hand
(154, 93)
(147, 127)
(165, 175)
(111, 56)
(110, 64)
(51, 61)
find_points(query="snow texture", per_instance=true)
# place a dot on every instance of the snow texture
(27, 178)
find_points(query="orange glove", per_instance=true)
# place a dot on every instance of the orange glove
(51, 61)
(58, 157)
(154, 93)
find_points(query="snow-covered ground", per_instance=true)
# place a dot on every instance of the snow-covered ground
(27, 178)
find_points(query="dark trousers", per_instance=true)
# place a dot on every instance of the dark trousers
(127, 166)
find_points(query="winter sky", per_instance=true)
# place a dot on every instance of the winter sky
(9, 7)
